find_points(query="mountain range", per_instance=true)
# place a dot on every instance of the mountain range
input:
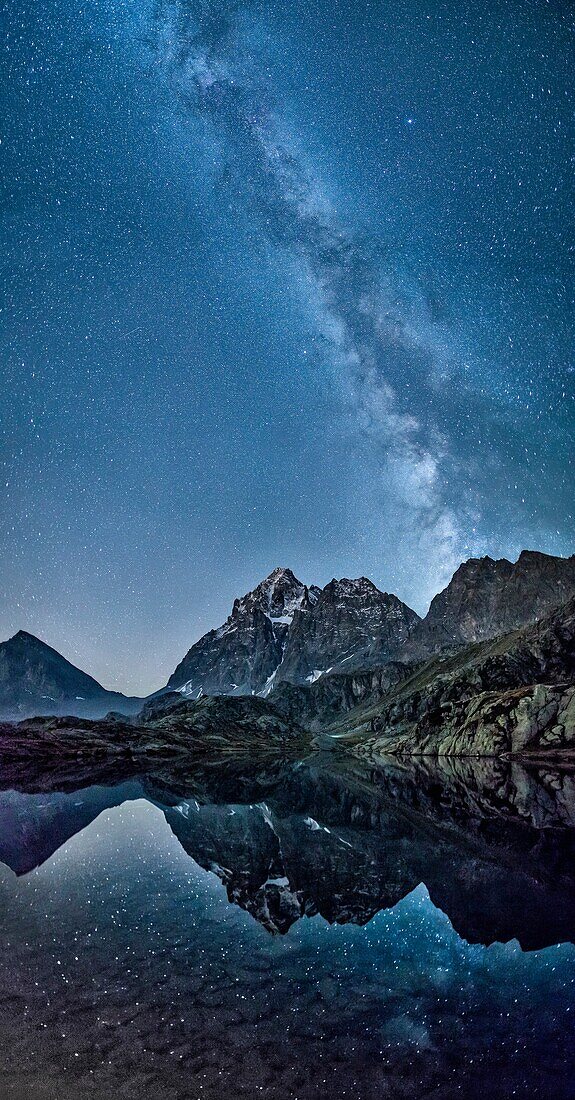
(316, 654)
(286, 631)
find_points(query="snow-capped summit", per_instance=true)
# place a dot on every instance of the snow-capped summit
(278, 596)
(285, 630)
(241, 656)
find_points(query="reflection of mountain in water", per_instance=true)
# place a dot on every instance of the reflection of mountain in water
(494, 843)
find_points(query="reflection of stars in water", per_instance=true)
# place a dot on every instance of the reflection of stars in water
(143, 962)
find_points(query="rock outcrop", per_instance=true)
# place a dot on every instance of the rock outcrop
(485, 598)
(215, 724)
(317, 705)
(514, 694)
(351, 625)
(207, 727)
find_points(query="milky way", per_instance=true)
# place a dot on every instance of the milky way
(360, 321)
(285, 285)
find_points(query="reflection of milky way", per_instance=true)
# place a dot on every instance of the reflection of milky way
(129, 973)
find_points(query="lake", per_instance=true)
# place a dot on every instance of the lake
(288, 930)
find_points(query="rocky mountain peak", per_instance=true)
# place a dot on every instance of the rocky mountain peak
(488, 596)
(351, 589)
(351, 625)
(284, 629)
(278, 596)
(241, 656)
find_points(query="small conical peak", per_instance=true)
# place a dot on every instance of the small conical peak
(23, 639)
(25, 636)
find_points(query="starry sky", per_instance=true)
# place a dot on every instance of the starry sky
(283, 283)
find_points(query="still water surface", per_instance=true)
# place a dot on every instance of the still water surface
(316, 935)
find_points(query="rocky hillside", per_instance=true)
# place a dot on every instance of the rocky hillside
(220, 724)
(35, 679)
(351, 625)
(176, 728)
(317, 705)
(513, 694)
(485, 598)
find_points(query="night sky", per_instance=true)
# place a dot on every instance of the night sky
(284, 284)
